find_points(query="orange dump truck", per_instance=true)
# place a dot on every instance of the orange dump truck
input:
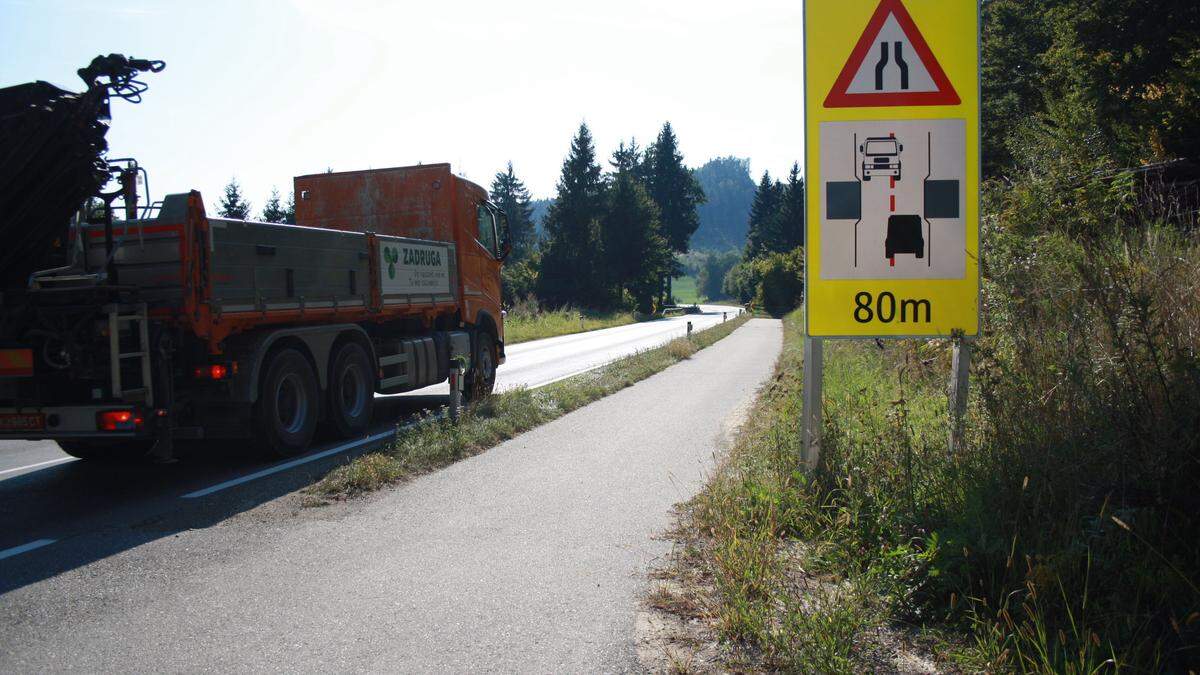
(176, 324)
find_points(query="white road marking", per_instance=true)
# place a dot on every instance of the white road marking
(60, 460)
(34, 545)
(25, 548)
(293, 463)
(355, 444)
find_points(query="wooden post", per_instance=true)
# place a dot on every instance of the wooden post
(960, 368)
(810, 423)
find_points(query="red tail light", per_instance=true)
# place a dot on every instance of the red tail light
(214, 372)
(118, 420)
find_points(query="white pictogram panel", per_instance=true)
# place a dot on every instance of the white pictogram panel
(893, 197)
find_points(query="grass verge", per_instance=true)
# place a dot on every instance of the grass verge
(1063, 536)
(684, 290)
(436, 441)
(523, 326)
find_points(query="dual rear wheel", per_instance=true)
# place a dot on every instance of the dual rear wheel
(289, 402)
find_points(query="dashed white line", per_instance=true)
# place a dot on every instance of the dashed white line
(25, 548)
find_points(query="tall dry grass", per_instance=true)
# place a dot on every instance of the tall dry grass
(1065, 537)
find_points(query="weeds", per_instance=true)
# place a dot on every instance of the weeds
(526, 321)
(1064, 537)
(435, 441)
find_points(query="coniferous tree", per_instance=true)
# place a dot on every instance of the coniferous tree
(676, 193)
(674, 189)
(636, 253)
(571, 260)
(763, 213)
(511, 195)
(232, 204)
(273, 211)
(289, 210)
(630, 159)
(789, 228)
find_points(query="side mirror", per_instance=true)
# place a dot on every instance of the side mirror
(901, 147)
(505, 236)
(862, 148)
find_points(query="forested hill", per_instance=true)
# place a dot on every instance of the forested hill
(729, 191)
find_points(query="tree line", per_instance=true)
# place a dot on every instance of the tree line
(770, 272)
(610, 237)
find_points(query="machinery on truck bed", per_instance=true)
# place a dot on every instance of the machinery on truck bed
(119, 336)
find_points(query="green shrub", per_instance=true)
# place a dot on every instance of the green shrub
(518, 280)
(773, 283)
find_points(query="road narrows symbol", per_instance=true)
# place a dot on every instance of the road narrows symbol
(903, 72)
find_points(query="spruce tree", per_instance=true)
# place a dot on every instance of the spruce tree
(232, 204)
(676, 193)
(674, 189)
(289, 210)
(511, 195)
(635, 252)
(272, 211)
(764, 213)
(629, 159)
(789, 230)
(570, 271)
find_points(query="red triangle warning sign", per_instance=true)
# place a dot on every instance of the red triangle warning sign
(891, 66)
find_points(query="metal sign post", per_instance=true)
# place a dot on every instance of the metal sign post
(892, 163)
(960, 369)
(810, 424)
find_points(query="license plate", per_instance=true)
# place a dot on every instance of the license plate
(22, 421)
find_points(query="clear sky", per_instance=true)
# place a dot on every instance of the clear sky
(273, 89)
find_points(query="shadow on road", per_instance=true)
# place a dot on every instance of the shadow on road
(97, 510)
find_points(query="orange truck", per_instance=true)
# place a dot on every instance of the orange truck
(174, 324)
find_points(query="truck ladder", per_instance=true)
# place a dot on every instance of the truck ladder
(117, 315)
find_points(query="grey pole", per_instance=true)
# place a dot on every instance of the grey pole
(810, 423)
(960, 368)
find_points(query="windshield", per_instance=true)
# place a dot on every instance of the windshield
(884, 146)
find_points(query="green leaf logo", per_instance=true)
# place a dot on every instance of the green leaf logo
(392, 257)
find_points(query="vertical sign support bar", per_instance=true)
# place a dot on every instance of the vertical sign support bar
(959, 382)
(810, 422)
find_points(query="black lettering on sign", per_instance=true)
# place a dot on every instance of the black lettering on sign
(868, 308)
(422, 258)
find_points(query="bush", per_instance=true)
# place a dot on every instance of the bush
(518, 280)
(773, 282)
(711, 274)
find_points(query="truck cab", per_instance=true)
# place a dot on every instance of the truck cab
(881, 157)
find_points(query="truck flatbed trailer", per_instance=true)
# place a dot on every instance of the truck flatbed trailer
(183, 325)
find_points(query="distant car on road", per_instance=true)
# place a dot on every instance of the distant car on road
(881, 157)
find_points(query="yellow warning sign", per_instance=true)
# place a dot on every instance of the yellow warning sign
(892, 167)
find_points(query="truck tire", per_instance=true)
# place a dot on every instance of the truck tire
(351, 391)
(481, 378)
(109, 452)
(288, 403)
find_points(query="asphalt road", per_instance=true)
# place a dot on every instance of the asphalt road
(530, 557)
(47, 498)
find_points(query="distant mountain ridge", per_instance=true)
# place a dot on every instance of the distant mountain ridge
(724, 217)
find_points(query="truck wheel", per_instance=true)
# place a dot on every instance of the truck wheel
(114, 452)
(351, 391)
(481, 378)
(286, 411)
